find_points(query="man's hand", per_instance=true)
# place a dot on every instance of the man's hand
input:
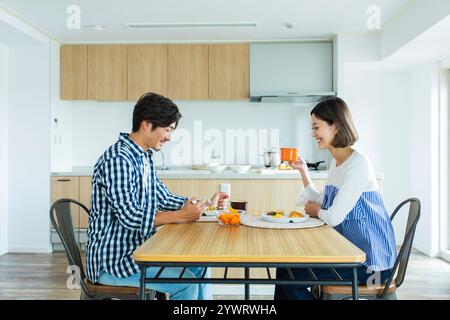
(218, 199)
(312, 208)
(191, 210)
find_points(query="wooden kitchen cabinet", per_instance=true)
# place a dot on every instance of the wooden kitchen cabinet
(107, 73)
(229, 71)
(67, 187)
(85, 197)
(147, 70)
(73, 72)
(76, 188)
(188, 72)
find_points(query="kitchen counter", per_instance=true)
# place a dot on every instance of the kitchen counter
(180, 173)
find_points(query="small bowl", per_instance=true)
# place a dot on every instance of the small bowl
(214, 168)
(240, 168)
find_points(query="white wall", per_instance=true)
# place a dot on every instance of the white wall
(444, 146)
(4, 82)
(448, 158)
(353, 48)
(61, 111)
(96, 125)
(379, 102)
(29, 152)
(424, 117)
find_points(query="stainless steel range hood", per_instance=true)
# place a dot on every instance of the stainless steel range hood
(291, 97)
(291, 72)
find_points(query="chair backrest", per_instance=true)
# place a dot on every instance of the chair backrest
(61, 218)
(401, 263)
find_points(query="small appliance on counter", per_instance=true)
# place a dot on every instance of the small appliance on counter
(271, 158)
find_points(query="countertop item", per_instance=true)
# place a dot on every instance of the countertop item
(239, 168)
(214, 168)
(289, 154)
(258, 222)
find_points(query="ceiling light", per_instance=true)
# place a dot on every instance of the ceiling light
(95, 27)
(137, 26)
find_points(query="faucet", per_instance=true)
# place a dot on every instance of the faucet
(214, 155)
(163, 167)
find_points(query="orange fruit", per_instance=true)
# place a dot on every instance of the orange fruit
(234, 220)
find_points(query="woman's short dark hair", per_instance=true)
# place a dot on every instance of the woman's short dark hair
(155, 108)
(335, 111)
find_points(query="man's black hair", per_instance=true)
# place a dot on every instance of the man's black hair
(156, 109)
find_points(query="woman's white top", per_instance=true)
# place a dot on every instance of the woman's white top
(352, 204)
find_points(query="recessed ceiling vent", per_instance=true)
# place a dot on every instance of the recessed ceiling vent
(144, 26)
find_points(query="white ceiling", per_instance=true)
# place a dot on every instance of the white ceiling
(311, 19)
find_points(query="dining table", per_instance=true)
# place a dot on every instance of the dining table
(211, 245)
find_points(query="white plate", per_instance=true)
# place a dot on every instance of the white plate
(210, 213)
(219, 211)
(227, 211)
(286, 219)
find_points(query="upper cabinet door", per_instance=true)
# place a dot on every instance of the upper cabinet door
(73, 73)
(107, 72)
(229, 71)
(188, 72)
(147, 70)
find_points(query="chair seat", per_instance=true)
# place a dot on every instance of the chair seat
(98, 288)
(362, 290)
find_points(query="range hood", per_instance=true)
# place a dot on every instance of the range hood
(291, 97)
(291, 72)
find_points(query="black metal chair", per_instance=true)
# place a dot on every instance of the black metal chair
(388, 290)
(61, 218)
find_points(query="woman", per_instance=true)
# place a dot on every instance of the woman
(350, 202)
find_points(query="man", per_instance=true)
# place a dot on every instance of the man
(129, 202)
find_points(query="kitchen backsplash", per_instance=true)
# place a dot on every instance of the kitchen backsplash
(231, 131)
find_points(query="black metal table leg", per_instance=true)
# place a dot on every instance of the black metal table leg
(142, 294)
(247, 286)
(355, 284)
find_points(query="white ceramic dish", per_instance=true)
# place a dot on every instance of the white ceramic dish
(239, 168)
(210, 213)
(284, 219)
(214, 168)
(216, 212)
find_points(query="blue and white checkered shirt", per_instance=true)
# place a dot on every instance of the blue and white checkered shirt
(126, 195)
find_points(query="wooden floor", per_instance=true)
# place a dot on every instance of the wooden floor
(43, 276)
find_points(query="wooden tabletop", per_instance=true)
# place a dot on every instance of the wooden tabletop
(211, 242)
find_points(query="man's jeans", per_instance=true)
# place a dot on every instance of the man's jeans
(177, 291)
